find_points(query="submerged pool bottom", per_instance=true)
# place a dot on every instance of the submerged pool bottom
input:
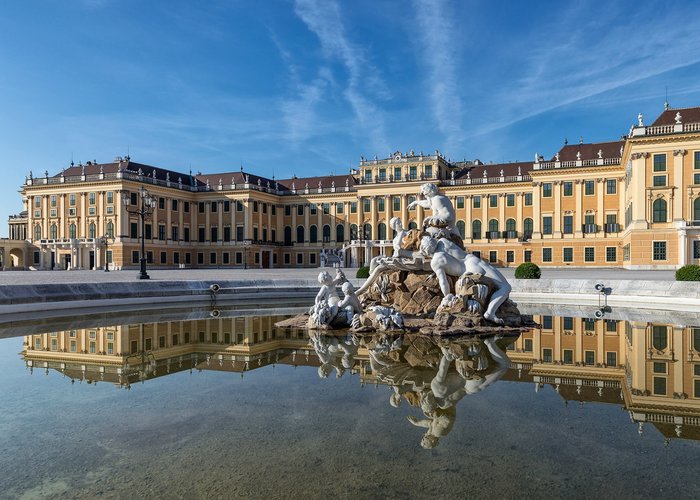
(233, 407)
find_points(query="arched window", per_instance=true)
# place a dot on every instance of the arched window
(37, 232)
(510, 225)
(110, 229)
(381, 231)
(659, 337)
(326, 233)
(353, 231)
(300, 234)
(367, 231)
(412, 225)
(339, 233)
(53, 231)
(696, 209)
(493, 225)
(476, 229)
(461, 227)
(71, 230)
(313, 234)
(527, 227)
(288, 235)
(659, 210)
(92, 230)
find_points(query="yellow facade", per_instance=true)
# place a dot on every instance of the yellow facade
(633, 203)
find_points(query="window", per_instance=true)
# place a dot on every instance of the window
(312, 208)
(589, 254)
(382, 176)
(610, 186)
(214, 234)
(339, 233)
(72, 231)
(659, 210)
(239, 258)
(696, 249)
(326, 208)
(528, 345)
(568, 323)
(212, 258)
(568, 224)
(173, 205)
(696, 178)
(527, 227)
(546, 255)
(546, 322)
(476, 229)
(287, 210)
(161, 203)
(214, 206)
(696, 160)
(527, 256)
(353, 207)
(546, 190)
(200, 258)
(568, 357)
(460, 202)
(659, 250)
(380, 204)
(397, 173)
(696, 341)
(493, 200)
(659, 337)
(134, 257)
(528, 199)
(201, 231)
(568, 255)
(428, 171)
(338, 208)
(659, 180)
(313, 234)
(493, 256)
(547, 225)
(568, 189)
(659, 386)
(546, 355)
(186, 207)
(92, 230)
(410, 200)
(92, 197)
(660, 162)
(366, 205)
(186, 233)
(396, 204)
(163, 257)
(161, 232)
(611, 325)
(300, 234)
(610, 254)
(381, 231)
(510, 256)
(589, 358)
(476, 202)
(413, 173)
(300, 258)
(71, 199)
(611, 358)
(589, 187)
(200, 207)
(300, 210)
(510, 200)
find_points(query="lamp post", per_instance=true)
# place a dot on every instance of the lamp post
(106, 244)
(144, 209)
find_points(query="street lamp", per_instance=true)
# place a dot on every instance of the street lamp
(147, 205)
(106, 244)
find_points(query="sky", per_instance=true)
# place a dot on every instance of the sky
(306, 87)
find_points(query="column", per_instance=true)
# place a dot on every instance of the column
(600, 207)
(677, 206)
(502, 212)
(519, 213)
(374, 217)
(556, 217)
(468, 219)
(404, 212)
(578, 213)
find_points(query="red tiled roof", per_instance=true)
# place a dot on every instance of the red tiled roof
(238, 176)
(590, 151)
(326, 181)
(132, 167)
(688, 115)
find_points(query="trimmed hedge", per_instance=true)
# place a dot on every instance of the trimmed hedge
(362, 272)
(688, 273)
(528, 271)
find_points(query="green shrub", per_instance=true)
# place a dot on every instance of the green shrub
(688, 273)
(362, 272)
(528, 271)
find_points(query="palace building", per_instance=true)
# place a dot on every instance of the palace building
(633, 203)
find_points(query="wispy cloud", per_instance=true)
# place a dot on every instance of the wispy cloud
(364, 86)
(437, 51)
(572, 61)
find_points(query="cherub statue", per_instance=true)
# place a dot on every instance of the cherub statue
(443, 216)
(396, 225)
(325, 306)
(350, 304)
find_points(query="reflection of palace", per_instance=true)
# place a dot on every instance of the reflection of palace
(652, 370)
(631, 203)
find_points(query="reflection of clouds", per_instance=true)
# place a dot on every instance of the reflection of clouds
(434, 374)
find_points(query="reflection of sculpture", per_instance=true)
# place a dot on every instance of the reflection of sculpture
(334, 352)
(449, 259)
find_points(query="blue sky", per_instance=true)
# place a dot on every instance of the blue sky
(306, 87)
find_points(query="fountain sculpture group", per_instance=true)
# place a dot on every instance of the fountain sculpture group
(430, 284)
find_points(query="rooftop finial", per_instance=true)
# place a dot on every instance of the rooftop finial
(566, 141)
(580, 139)
(667, 106)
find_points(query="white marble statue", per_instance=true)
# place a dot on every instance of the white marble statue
(450, 260)
(325, 307)
(443, 213)
(396, 225)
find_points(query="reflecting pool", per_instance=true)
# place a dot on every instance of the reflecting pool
(221, 403)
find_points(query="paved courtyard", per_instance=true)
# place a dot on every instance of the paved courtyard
(39, 277)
